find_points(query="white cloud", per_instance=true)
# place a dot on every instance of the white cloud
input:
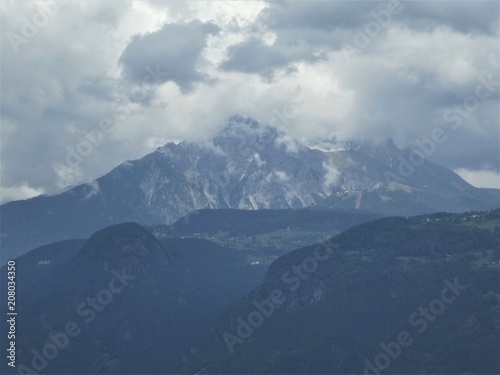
(332, 175)
(485, 179)
(92, 189)
(281, 176)
(12, 193)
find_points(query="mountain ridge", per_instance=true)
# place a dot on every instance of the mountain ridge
(248, 165)
(332, 308)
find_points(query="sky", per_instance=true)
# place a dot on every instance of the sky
(86, 85)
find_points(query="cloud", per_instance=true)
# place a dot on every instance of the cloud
(487, 179)
(466, 17)
(54, 88)
(462, 16)
(92, 189)
(285, 63)
(255, 56)
(332, 175)
(307, 30)
(173, 53)
(18, 192)
(317, 15)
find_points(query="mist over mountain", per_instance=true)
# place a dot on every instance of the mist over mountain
(248, 165)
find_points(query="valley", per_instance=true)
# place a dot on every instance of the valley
(209, 283)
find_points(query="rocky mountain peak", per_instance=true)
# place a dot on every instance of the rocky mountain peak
(249, 165)
(245, 134)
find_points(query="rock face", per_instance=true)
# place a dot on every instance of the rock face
(247, 166)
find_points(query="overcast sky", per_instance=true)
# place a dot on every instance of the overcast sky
(132, 76)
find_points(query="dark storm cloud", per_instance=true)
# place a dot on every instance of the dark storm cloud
(463, 16)
(327, 15)
(173, 53)
(476, 17)
(306, 29)
(254, 56)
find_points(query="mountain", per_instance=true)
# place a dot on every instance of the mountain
(44, 260)
(123, 302)
(247, 165)
(416, 295)
(398, 295)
